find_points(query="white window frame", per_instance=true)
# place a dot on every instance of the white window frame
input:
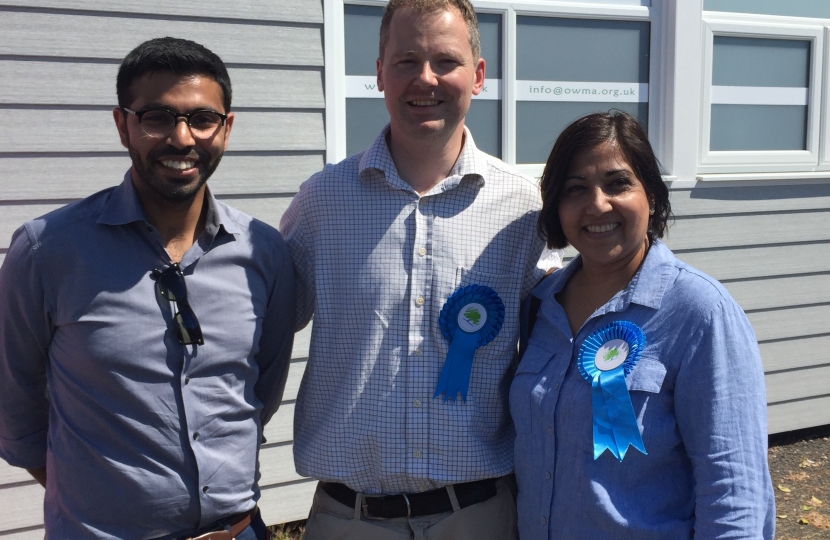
(622, 10)
(764, 161)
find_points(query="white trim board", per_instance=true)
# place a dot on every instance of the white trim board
(759, 95)
(576, 91)
(366, 86)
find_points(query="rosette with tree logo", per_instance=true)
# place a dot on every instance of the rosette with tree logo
(471, 318)
(606, 357)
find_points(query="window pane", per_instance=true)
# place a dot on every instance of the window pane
(484, 117)
(362, 26)
(366, 112)
(759, 94)
(567, 68)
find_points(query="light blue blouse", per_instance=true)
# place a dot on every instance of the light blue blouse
(698, 394)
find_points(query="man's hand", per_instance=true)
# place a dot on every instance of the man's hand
(38, 474)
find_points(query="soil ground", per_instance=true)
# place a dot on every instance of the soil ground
(799, 462)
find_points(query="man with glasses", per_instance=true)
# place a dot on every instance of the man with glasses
(161, 319)
(401, 415)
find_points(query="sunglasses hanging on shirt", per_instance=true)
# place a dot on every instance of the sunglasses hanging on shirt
(171, 285)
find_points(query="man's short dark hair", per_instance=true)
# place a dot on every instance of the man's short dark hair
(180, 57)
(422, 7)
(589, 131)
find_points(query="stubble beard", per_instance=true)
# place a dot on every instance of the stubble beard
(166, 189)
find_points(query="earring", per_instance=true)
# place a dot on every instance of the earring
(651, 211)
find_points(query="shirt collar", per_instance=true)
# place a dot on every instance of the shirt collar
(646, 288)
(123, 207)
(471, 163)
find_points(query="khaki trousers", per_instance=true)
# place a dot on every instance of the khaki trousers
(493, 519)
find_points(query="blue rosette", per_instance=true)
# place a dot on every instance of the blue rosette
(606, 357)
(471, 318)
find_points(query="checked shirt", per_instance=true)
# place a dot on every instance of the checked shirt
(375, 263)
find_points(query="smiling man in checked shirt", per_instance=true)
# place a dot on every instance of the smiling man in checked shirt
(379, 243)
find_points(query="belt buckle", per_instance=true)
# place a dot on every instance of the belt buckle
(365, 507)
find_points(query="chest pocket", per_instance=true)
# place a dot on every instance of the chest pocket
(647, 376)
(528, 387)
(652, 408)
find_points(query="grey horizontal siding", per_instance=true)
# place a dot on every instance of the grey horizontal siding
(799, 414)
(797, 384)
(110, 36)
(801, 290)
(744, 199)
(43, 82)
(35, 533)
(760, 262)
(790, 323)
(277, 465)
(64, 178)
(795, 353)
(290, 500)
(295, 376)
(748, 230)
(302, 11)
(59, 60)
(771, 247)
(12, 475)
(38, 130)
(281, 427)
(21, 506)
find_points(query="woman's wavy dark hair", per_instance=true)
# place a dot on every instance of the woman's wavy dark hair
(587, 132)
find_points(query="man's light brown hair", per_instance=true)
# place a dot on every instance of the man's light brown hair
(422, 7)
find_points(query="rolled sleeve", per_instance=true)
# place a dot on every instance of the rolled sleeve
(25, 333)
(542, 260)
(721, 412)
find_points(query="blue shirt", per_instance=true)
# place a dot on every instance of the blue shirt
(142, 437)
(698, 395)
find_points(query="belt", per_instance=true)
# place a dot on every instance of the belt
(238, 523)
(436, 501)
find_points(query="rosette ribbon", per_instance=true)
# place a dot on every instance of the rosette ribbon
(471, 318)
(606, 357)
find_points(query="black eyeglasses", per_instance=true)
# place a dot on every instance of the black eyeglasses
(171, 286)
(159, 123)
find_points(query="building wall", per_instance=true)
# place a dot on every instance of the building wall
(768, 242)
(770, 247)
(58, 143)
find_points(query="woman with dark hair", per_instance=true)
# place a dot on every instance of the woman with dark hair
(639, 400)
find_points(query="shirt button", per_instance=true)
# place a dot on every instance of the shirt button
(187, 380)
(416, 454)
(544, 521)
(556, 386)
(195, 435)
(422, 251)
(547, 476)
(419, 351)
(417, 402)
(550, 430)
(419, 301)
(205, 489)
